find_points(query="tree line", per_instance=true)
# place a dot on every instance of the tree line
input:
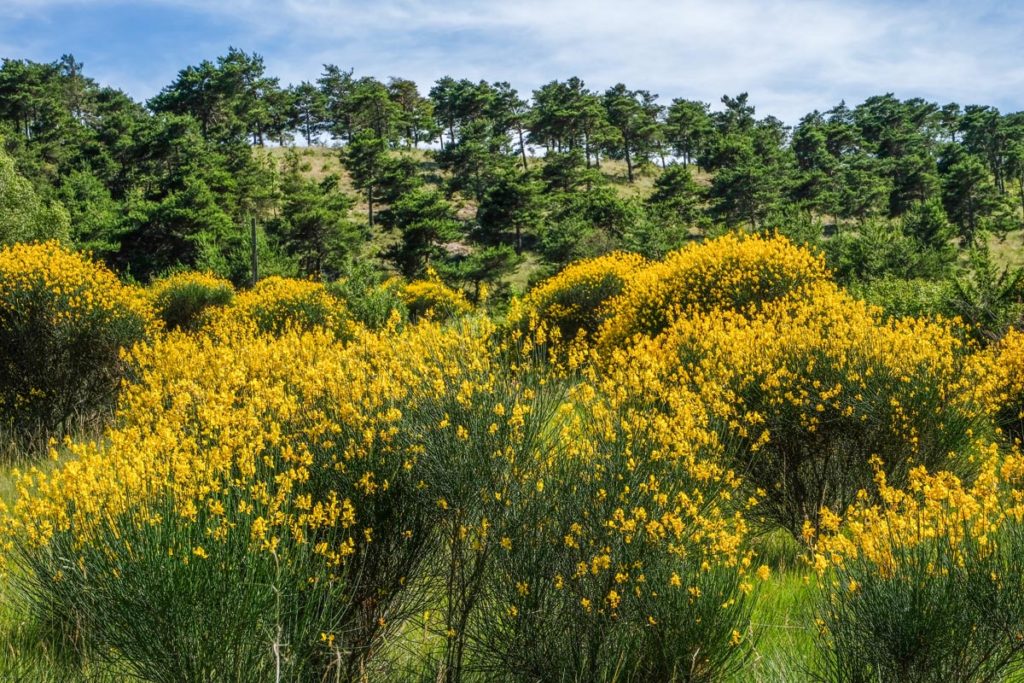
(472, 177)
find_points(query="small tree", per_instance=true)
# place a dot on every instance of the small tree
(364, 158)
(424, 219)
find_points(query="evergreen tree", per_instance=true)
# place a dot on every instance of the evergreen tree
(308, 111)
(365, 159)
(512, 202)
(424, 220)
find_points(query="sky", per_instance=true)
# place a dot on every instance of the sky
(792, 56)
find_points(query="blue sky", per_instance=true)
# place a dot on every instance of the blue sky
(791, 55)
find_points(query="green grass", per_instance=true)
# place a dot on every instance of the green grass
(784, 629)
(1008, 252)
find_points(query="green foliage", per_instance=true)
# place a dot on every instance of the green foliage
(988, 297)
(24, 215)
(512, 203)
(314, 225)
(424, 220)
(486, 265)
(876, 249)
(902, 298)
(369, 301)
(677, 197)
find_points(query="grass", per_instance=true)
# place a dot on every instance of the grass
(1009, 251)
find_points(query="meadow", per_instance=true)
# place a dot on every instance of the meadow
(719, 465)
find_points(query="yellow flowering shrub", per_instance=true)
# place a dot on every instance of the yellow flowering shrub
(63, 323)
(431, 298)
(1006, 362)
(246, 456)
(576, 299)
(808, 391)
(926, 583)
(277, 304)
(180, 299)
(630, 537)
(267, 470)
(732, 272)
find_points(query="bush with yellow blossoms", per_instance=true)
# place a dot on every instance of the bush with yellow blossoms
(625, 559)
(431, 298)
(293, 503)
(809, 390)
(277, 304)
(288, 495)
(1006, 361)
(576, 299)
(252, 496)
(181, 299)
(64, 321)
(733, 272)
(928, 583)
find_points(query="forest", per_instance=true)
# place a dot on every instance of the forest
(489, 186)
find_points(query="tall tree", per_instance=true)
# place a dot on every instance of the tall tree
(336, 85)
(309, 111)
(688, 128)
(314, 223)
(512, 201)
(968, 192)
(634, 114)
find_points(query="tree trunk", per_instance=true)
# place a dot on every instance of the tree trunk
(522, 148)
(629, 164)
(1021, 179)
(369, 204)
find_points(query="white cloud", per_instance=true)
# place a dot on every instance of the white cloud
(791, 55)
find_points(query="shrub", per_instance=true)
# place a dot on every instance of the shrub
(277, 304)
(927, 586)
(432, 299)
(372, 305)
(63, 324)
(905, 298)
(808, 392)
(576, 299)
(618, 560)
(181, 299)
(251, 508)
(731, 272)
(1005, 363)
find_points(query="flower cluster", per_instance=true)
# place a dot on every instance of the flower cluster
(277, 304)
(732, 272)
(431, 298)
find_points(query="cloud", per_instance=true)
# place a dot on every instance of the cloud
(791, 55)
